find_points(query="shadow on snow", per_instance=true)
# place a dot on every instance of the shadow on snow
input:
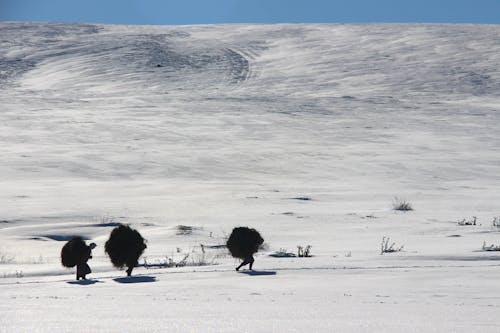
(84, 282)
(258, 273)
(135, 279)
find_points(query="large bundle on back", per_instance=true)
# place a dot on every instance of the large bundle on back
(244, 242)
(124, 246)
(74, 252)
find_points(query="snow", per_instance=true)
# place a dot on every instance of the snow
(221, 126)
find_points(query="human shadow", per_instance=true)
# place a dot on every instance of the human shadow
(258, 273)
(135, 279)
(84, 282)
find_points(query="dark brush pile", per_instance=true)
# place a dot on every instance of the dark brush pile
(124, 246)
(74, 252)
(244, 242)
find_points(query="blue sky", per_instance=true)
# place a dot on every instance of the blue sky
(258, 11)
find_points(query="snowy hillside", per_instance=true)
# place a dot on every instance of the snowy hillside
(305, 132)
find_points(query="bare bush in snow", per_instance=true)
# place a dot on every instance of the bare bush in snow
(472, 221)
(282, 253)
(386, 248)
(402, 205)
(304, 251)
(491, 247)
(190, 259)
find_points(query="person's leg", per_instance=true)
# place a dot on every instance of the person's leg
(78, 272)
(86, 270)
(251, 262)
(245, 262)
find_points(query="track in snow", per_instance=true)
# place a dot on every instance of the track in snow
(158, 62)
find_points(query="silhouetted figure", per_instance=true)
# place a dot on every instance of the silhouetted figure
(76, 253)
(243, 243)
(124, 247)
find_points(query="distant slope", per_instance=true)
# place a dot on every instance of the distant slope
(306, 60)
(381, 105)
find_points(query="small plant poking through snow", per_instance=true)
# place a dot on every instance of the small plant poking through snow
(190, 259)
(106, 221)
(386, 248)
(16, 274)
(282, 253)
(38, 260)
(304, 251)
(491, 247)
(472, 221)
(496, 222)
(401, 205)
(6, 258)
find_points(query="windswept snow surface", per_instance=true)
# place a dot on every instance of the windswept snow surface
(213, 127)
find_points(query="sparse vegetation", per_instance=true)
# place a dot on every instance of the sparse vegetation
(496, 222)
(282, 253)
(10, 259)
(33, 260)
(6, 258)
(191, 258)
(38, 260)
(402, 205)
(106, 221)
(472, 221)
(304, 251)
(491, 247)
(386, 248)
(16, 274)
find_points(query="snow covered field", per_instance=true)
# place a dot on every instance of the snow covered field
(304, 132)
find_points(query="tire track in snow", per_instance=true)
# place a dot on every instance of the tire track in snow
(239, 66)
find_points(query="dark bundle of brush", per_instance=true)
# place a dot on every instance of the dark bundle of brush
(244, 242)
(124, 247)
(74, 252)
